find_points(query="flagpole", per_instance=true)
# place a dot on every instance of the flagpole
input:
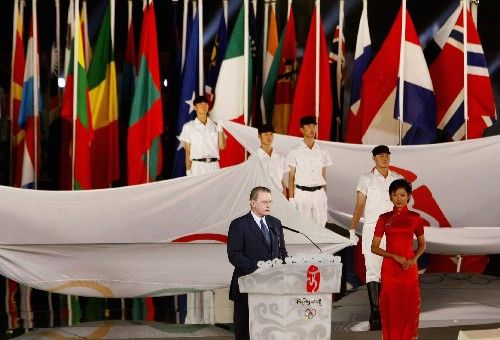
(201, 88)
(473, 7)
(195, 5)
(340, 76)
(148, 153)
(224, 8)
(76, 38)
(58, 49)
(86, 47)
(340, 52)
(402, 71)
(112, 7)
(184, 32)
(67, 48)
(59, 90)
(289, 8)
(264, 54)
(246, 56)
(129, 13)
(317, 75)
(36, 80)
(11, 99)
(466, 85)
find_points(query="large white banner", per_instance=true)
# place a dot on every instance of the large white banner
(455, 186)
(146, 240)
(168, 237)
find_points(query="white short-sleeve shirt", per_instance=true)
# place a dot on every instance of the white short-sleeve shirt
(376, 189)
(274, 165)
(204, 139)
(309, 164)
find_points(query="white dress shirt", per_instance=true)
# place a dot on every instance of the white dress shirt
(309, 164)
(204, 139)
(274, 165)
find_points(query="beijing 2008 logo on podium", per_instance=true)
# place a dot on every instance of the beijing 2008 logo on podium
(313, 279)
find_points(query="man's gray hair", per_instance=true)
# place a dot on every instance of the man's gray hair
(255, 192)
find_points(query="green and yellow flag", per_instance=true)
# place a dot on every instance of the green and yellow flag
(146, 116)
(104, 154)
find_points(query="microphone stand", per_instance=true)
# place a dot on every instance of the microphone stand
(299, 232)
(278, 238)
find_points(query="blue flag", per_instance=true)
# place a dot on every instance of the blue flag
(188, 93)
(218, 52)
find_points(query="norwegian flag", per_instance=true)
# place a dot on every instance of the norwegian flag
(336, 59)
(447, 73)
(362, 57)
(379, 109)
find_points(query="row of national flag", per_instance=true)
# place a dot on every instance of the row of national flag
(89, 155)
(431, 86)
(433, 96)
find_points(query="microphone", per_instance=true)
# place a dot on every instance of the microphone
(299, 232)
(278, 238)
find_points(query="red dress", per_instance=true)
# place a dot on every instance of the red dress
(400, 292)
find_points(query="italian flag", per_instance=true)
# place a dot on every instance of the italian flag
(229, 93)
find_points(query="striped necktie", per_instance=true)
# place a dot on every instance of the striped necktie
(265, 231)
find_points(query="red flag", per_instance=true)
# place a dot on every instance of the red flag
(304, 100)
(285, 84)
(146, 117)
(16, 88)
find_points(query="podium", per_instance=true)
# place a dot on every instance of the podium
(292, 300)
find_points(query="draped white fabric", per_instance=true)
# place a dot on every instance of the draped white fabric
(455, 184)
(124, 242)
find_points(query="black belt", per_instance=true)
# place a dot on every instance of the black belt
(303, 188)
(206, 160)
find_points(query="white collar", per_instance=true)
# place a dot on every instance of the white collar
(258, 219)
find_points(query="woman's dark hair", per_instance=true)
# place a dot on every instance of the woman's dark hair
(398, 184)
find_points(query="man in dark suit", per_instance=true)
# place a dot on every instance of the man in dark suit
(256, 236)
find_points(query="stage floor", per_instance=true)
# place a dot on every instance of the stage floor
(450, 302)
(452, 299)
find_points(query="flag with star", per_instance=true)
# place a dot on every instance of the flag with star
(188, 92)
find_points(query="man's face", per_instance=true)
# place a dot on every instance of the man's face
(308, 131)
(266, 138)
(261, 206)
(382, 160)
(201, 109)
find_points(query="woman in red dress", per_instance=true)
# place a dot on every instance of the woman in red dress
(400, 293)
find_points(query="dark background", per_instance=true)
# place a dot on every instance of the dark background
(427, 15)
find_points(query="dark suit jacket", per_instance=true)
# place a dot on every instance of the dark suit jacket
(246, 246)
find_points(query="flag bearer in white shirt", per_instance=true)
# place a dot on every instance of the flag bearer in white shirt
(307, 178)
(273, 162)
(202, 140)
(373, 198)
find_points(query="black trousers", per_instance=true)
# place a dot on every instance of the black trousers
(240, 318)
